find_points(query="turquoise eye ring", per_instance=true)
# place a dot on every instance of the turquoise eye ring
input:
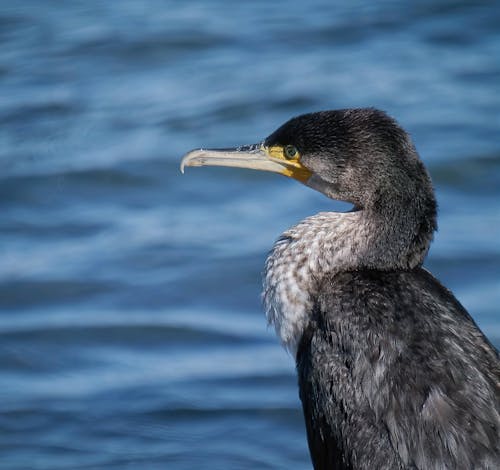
(290, 152)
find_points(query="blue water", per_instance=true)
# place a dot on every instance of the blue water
(131, 330)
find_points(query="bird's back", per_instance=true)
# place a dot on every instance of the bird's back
(395, 374)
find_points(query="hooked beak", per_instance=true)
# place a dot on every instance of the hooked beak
(255, 157)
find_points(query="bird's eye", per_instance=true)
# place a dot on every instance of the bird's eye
(290, 152)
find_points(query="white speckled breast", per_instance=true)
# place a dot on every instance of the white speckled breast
(325, 243)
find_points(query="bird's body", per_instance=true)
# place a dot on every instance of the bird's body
(393, 372)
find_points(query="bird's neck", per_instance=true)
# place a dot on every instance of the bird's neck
(325, 244)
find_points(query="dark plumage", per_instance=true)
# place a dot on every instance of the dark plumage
(393, 372)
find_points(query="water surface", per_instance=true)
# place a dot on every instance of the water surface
(131, 330)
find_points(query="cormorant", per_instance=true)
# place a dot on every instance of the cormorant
(393, 372)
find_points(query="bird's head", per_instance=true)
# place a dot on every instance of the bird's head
(360, 156)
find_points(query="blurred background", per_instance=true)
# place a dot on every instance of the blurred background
(131, 329)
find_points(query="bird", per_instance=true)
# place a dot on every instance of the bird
(393, 372)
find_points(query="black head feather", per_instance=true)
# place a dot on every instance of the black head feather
(364, 157)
